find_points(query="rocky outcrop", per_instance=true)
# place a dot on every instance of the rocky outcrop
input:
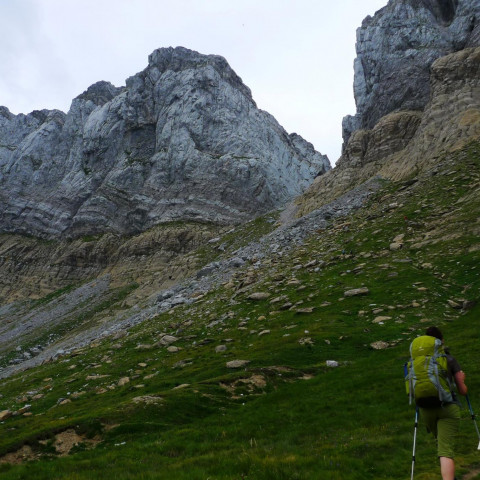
(395, 50)
(32, 268)
(404, 143)
(183, 140)
(391, 134)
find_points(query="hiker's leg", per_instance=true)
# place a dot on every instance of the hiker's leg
(430, 417)
(447, 425)
(447, 467)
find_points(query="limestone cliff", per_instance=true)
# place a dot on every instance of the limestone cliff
(183, 140)
(407, 142)
(395, 50)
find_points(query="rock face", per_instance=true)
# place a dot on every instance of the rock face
(183, 140)
(395, 50)
(405, 143)
(417, 89)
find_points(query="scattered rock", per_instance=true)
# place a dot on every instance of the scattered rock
(356, 292)
(236, 262)
(259, 296)
(379, 345)
(305, 310)
(237, 363)
(332, 363)
(95, 377)
(167, 340)
(123, 381)
(5, 414)
(76, 395)
(220, 348)
(306, 341)
(183, 363)
(147, 400)
(381, 319)
(66, 440)
(454, 304)
(179, 387)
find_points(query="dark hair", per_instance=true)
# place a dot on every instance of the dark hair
(434, 332)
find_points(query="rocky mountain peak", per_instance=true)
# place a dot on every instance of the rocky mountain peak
(182, 141)
(179, 59)
(100, 93)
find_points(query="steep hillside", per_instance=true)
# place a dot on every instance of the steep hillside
(291, 367)
(31, 268)
(135, 346)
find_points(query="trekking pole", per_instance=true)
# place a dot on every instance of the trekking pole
(473, 418)
(414, 441)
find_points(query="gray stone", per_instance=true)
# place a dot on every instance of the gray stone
(183, 140)
(357, 291)
(381, 319)
(259, 296)
(379, 345)
(123, 381)
(332, 363)
(237, 363)
(167, 340)
(5, 414)
(236, 262)
(395, 50)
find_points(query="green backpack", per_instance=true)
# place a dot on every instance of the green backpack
(427, 375)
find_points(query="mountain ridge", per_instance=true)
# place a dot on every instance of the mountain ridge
(183, 140)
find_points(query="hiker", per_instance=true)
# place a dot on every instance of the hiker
(440, 411)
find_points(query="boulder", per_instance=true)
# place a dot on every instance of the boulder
(259, 296)
(237, 364)
(355, 292)
(5, 414)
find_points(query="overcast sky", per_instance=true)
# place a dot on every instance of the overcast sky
(295, 55)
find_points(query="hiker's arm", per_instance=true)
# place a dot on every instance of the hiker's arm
(460, 382)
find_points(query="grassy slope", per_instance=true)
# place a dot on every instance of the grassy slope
(307, 421)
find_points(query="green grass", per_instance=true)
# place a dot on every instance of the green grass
(307, 421)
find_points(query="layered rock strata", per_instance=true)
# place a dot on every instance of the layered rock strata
(183, 140)
(404, 143)
(156, 259)
(395, 50)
